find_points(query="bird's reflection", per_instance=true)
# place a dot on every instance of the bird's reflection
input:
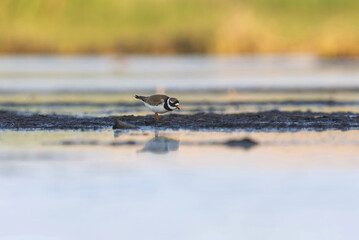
(160, 145)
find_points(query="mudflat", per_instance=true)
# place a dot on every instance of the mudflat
(259, 121)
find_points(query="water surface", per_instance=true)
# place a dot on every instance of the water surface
(166, 184)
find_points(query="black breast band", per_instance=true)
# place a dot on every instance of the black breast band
(166, 105)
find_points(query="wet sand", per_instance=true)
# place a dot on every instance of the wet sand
(260, 121)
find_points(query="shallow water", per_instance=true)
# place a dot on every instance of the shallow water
(71, 185)
(124, 73)
(150, 184)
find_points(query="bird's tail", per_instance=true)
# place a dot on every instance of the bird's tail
(142, 98)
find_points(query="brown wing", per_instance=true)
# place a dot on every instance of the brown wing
(156, 99)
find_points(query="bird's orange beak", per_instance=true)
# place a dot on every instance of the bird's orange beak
(178, 107)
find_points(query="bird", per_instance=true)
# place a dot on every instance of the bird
(159, 103)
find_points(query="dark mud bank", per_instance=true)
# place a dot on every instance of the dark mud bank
(260, 121)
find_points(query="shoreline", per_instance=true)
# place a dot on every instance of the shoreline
(274, 120)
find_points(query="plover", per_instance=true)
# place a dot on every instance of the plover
(159, 103)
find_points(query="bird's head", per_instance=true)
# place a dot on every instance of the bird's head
(173, 102)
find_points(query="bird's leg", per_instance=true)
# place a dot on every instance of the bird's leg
(156, 116)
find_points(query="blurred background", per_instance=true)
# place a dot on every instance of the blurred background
(163, 45)
(323, 27)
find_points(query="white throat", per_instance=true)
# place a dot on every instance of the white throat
(168, 104)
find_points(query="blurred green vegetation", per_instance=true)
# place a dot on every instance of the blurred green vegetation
(324, 27)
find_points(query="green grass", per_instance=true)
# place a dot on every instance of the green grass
(325, 27)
